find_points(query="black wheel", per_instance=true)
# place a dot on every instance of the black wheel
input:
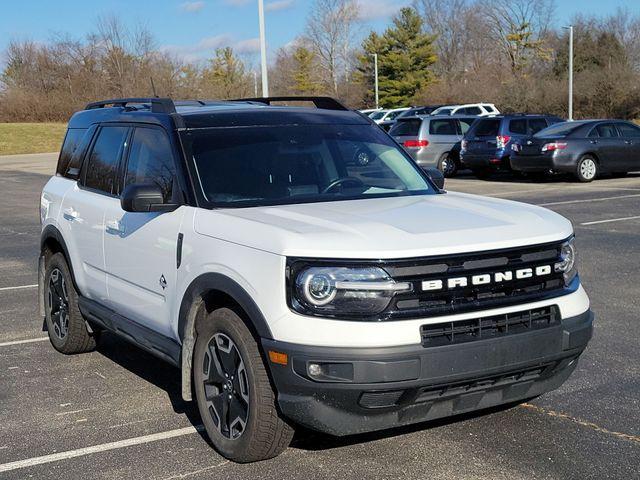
(234, 395)
(586, 169)
(447, 165)
(67, 329)
(482, 173)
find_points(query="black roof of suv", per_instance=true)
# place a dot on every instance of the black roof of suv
(208, 113)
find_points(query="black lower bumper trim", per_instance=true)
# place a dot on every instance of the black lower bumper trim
(397, 386)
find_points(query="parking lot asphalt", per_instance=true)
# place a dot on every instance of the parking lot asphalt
(117, 412)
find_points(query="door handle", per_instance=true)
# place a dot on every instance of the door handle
(593, 141)
(628, 142)
(114, 227)
(70, 214)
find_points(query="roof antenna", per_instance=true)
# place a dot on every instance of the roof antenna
(153, 88)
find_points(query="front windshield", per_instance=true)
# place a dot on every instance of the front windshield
(558, 129)
(274, 165)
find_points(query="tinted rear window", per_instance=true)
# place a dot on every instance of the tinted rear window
(71, 142)
(442, 127)
(518, 126)
(406, 127)
(537, 124)
(103, 161)
(488, 127)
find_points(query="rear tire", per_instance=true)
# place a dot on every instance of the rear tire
(482, 173)
(231, 380)
(447, 165)
(586, 169)
(67, 329)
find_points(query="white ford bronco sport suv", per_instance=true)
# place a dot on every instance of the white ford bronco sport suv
(243, 243)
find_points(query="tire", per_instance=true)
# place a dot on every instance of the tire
(226, 357)
(66, 327)
(482, 173)
(586, 169)
(447, 165)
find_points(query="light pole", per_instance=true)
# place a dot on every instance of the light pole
(263, 50)
(375, 73)
(570, 28)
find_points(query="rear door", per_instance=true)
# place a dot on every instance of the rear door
(442, 136)
(406, 132)
(608, 145)
(85, 205)
(482, 139)
(141, 248)
(630, 156)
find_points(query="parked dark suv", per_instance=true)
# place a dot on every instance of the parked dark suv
(487, 145)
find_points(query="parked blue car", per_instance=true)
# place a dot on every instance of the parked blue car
(486, 147)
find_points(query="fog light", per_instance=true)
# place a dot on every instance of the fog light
(315, 370)
(330, 372)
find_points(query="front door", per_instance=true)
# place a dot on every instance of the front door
(609, 146)
(630, 155)
(140, 248)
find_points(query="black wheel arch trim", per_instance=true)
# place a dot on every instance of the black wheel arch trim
(50, 232)
(190, 306)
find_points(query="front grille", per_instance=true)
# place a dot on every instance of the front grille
(445, 301)
(463, 331)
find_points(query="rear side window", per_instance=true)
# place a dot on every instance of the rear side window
(102, 166)
(488, 127)
(472, 111)
(536, 124)
(442, 127)
(518, 126)
(151, 161)
(629, 131)
(71, 142)
(606, 130)
(406, 128)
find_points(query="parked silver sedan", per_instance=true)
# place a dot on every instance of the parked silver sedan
(433, 141)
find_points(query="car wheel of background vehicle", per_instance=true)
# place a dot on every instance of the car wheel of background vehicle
(482, 173)
(587, 169)
(66, 327)
(447, 165)
(233, 391)
(362, 158)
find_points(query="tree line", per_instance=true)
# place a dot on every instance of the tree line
(436, 51)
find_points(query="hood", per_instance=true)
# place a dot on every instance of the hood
(386, 228)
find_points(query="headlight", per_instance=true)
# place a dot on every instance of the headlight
(345, 291)
(568, 261)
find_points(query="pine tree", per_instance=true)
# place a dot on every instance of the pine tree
(405, 55)
(303, 73)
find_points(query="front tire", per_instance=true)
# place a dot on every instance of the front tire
(234, 395)
(67, 329)
(586, 169)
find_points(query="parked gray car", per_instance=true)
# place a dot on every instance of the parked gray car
(433, 141)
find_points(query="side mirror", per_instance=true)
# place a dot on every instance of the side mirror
(144, 198)
(436, 176)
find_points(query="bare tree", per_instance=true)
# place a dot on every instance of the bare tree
(330, 30)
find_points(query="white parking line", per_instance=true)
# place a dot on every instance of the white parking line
(566, 202)
(55, 457)
(20, 342)
(21, 287)
(611, 220)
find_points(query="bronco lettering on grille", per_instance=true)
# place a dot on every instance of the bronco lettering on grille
(486, 278)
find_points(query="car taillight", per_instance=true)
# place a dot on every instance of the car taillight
(553, 146)
(415, 143)
(502, 140)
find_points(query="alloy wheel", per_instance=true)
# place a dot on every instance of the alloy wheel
(588, 168)
(447, 166)
(226, 386)
(58, 303)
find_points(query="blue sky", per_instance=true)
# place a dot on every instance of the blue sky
(193, 29)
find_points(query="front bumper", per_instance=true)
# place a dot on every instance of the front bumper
(396, 386)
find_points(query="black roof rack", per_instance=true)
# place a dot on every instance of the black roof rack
(158, 105)
(324, 103)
